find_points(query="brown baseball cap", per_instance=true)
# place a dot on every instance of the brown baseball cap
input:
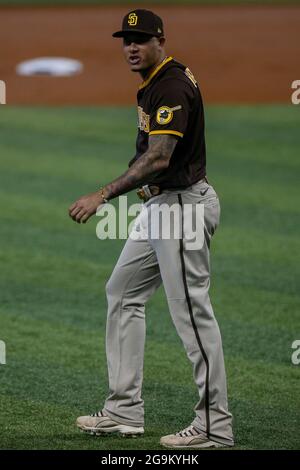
(141, 21)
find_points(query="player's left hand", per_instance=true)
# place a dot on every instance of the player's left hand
(85, 207)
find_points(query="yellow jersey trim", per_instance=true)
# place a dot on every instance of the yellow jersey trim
(180, 134)
(146, 82)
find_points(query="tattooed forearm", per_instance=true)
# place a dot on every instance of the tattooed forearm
(155, 160)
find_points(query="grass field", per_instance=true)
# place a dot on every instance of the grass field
(53, 272)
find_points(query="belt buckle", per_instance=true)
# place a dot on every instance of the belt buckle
(141, 194)
(144, 193)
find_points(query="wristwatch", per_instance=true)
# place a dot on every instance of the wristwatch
(101, 191)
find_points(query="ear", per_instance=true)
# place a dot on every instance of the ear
(162, 41)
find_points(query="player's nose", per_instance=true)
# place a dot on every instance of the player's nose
(133, 47)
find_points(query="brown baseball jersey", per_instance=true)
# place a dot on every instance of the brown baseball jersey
(169, 102)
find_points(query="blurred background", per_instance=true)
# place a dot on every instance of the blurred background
(70, 127)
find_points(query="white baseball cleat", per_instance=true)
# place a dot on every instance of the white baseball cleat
(100, 424)
(190, 438)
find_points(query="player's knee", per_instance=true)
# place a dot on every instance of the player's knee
(111, 287)
(115, 287)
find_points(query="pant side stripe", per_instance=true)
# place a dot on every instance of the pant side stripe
(194, 324)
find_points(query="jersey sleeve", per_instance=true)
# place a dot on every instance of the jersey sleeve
(170, 108)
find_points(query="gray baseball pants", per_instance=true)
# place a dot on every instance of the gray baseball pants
(144, 264)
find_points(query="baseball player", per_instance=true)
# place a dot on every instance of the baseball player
(168, 168)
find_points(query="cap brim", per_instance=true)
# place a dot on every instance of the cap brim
(124, 32)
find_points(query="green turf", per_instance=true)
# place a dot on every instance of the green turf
(146, 3)
(53, 274)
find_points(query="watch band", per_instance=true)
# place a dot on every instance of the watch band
(101, 191)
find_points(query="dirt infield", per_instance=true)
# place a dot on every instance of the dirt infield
(238, 54)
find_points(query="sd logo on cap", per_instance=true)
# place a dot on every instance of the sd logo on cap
(132, 19)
